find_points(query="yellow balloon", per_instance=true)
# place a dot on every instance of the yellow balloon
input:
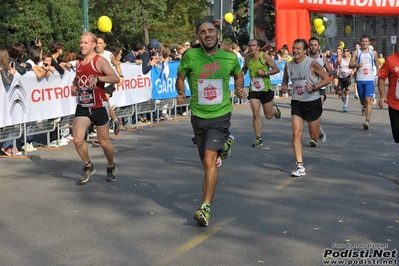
(341, 44)
(320, 29)
(104, 24)
(348, 29)
(229, 17)
(318, 22)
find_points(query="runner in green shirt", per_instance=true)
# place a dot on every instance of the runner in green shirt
(208, 69)
(261, 95)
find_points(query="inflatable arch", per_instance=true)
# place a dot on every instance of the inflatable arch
(293, 19)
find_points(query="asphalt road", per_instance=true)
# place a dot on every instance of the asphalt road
(260, 215)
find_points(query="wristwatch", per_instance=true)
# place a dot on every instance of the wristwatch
(313, 87)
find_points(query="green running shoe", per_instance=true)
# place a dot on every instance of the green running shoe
(277, 114)
(313, 143)
(227, 148)
(257, 143)
(202, 216)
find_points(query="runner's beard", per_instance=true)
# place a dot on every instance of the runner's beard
(210, 50)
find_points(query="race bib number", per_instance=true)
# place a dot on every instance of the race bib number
(86, 97)
(257, 84)
(344, 74)
(210, 91)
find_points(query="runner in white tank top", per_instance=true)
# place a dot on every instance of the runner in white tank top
(307, 78)
(109, 88)
(365, 60)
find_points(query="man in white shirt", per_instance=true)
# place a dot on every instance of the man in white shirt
(109, 88)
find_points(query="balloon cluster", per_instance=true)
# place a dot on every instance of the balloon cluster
(104, 24)
(229, 17)
(318, 25)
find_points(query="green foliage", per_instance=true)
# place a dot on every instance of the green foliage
(264, 19)
(132, 21)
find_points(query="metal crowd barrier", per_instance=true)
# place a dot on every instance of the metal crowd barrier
(145, 108)
(11, 133)
(186, 104)
(165, 105)
(40, 127)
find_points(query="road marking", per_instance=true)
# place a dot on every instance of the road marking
(285, 183)
(195, 241)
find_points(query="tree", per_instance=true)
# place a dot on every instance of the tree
(132, 21)
(264, 17)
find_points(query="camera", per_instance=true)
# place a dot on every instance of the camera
(45, 64)
(12, 64)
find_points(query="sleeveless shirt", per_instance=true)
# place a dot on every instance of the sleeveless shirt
(85, 73)
(258, 83)
(300, 74)
(366, 72)
(344, 70)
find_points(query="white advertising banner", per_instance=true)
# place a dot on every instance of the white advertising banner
(135, 89)
(29, 99)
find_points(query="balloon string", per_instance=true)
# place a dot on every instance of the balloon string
(118, 41)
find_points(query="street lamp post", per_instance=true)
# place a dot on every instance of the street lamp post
(251, 19)
(85, 17)
(221, 20)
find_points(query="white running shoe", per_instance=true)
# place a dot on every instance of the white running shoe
(323, 136)
(299, 171)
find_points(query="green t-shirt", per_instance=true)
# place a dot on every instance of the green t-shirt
(208, 78)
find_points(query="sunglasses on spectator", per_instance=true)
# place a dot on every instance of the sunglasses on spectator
(346, 50)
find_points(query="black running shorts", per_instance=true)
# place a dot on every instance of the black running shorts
(309, 111)
(263, 96)
(210, 134)
(344, 83)
(109, 89)
(98, 116)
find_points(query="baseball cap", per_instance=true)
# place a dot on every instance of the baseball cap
(154, 44)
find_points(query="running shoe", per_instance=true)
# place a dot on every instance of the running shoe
(92, 135)
(257, 143)
(277, 114)
(323, 136)
(356, 96)
(363, 111)
(218, 162)
(7, 152)
(117, 126)
(299, 171)
(193, 140)
(11, 151)
(227, 148)
(111, 172)
(366, 125)
(86, 173)
(313, 143)
(31, 147)
(202, 215)
(54, 144)
(374, 100)
(345, 109)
